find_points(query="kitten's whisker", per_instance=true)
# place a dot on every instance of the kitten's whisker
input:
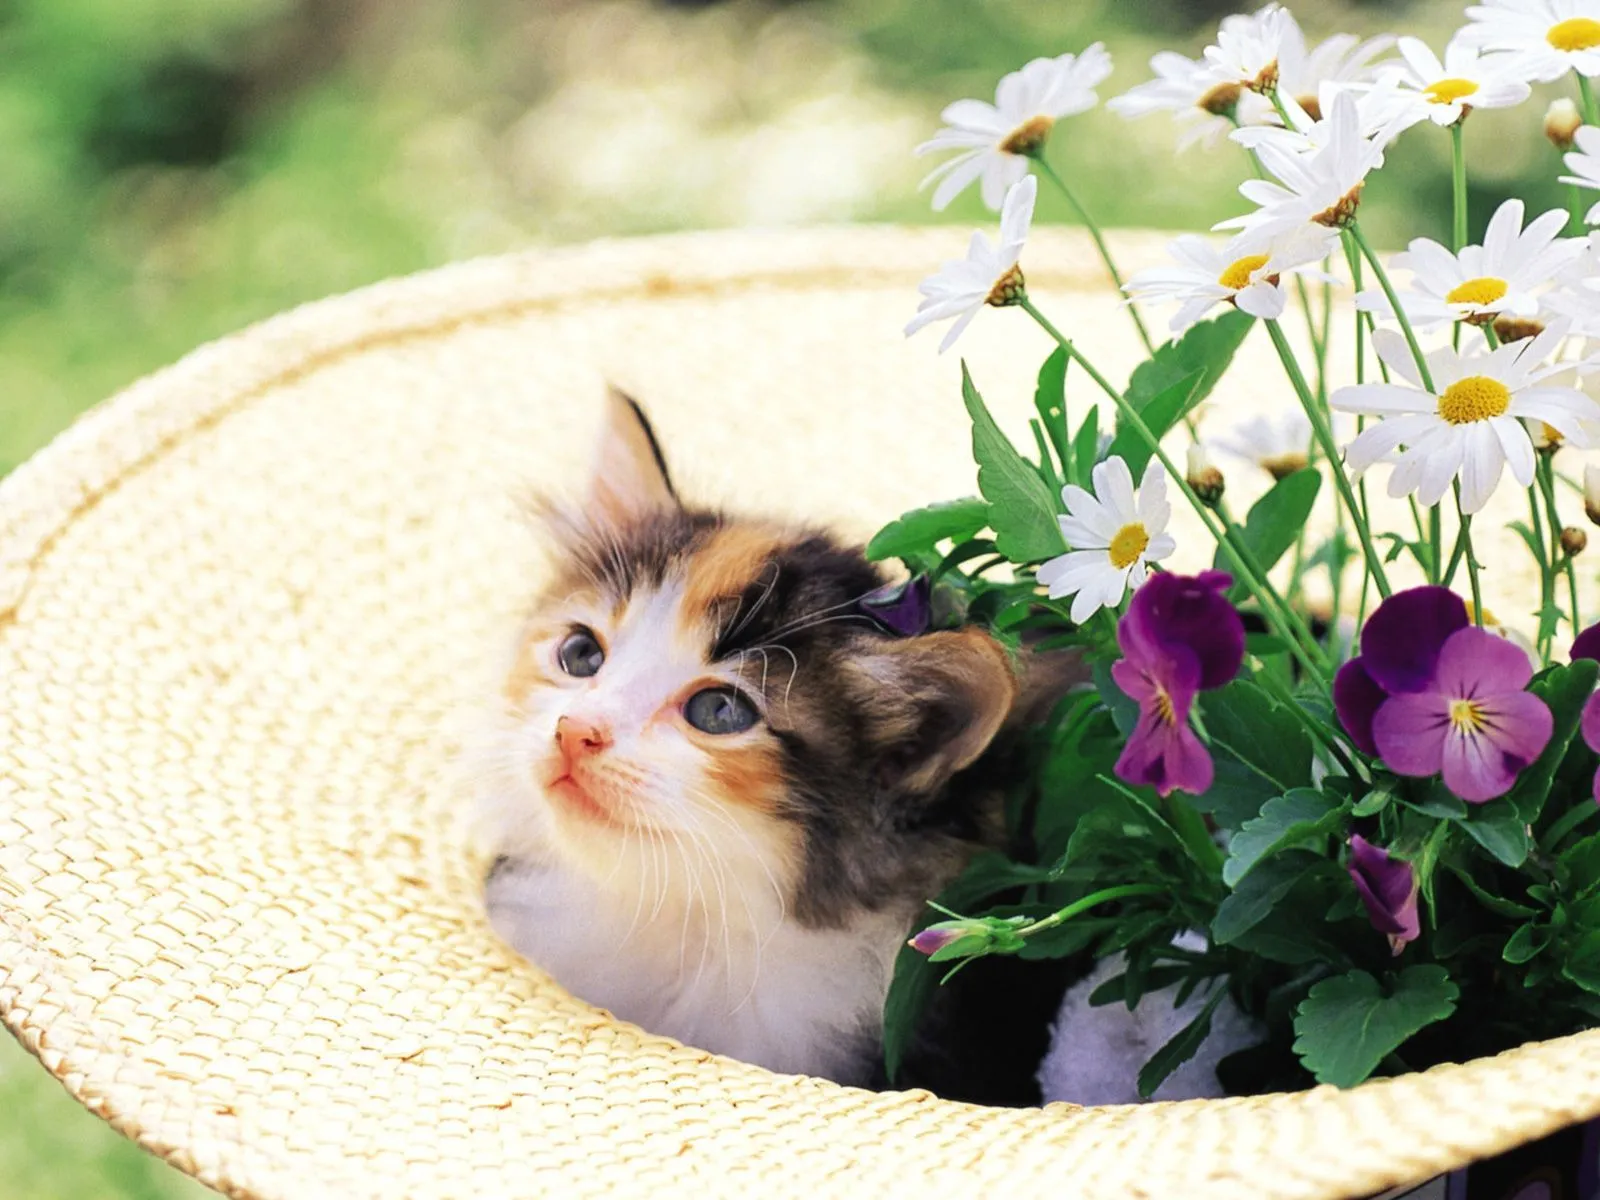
(760, 600)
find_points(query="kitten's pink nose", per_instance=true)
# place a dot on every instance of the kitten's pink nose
(579, 738)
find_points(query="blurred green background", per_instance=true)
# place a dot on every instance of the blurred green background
(171, 170)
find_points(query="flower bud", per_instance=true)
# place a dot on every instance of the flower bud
(1388, 888)
(1591, 493)
(1573, 541)
(1561, 123)
(1203, 476)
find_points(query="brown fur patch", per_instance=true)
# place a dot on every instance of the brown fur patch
(733, 559)
(747, 776)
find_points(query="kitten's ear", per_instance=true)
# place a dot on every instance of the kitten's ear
(933, 704)
(629, 481)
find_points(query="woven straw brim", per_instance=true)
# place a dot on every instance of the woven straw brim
(244, 607)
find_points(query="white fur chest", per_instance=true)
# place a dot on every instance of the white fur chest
(787, 998)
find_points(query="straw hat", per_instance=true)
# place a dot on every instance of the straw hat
(242, 609)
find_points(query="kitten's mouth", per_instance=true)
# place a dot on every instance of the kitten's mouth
(572, 797)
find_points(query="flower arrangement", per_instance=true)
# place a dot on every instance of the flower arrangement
(1382, 814)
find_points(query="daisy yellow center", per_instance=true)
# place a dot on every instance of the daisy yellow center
(1552, 435)
(1575, 33)
(1127, 545)
(1488, 617)
(1238, 273)
(1448, 91)
(1028, 137)
(1221, 100)
(1466, 717)
(1475, 398)
(1485, 289)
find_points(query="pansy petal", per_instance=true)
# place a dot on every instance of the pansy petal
(1587, 643)
(1401, 642)
(1410, 731)
(1475, 663)
(1356, 699)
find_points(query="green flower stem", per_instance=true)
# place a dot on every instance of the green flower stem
(1575, 223)
(1325, 435)
(1472, 562)
(1092, 900)
(1458, 184)
(1354, 230)
(1545, 477)
(1319, 732)
(1591, 111)
(1301, 642)
(1049, 172)
(1547, 581)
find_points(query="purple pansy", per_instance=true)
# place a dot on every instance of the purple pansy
(904, 608)
(1399, 651)
(1475, 723)
(1587, 645)
(1388, 888)
(1432, 694)
(1180, 637)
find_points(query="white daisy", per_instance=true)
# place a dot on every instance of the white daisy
(1382, 114)
(1445, 91)
(996, 139)
(1279, 446)
(1321, 188)
(1246, 272)
(1584, 162)
(1502, 277)
(1197, 98)
(1114, 533)
(1470, 426)
(1343, 59)
(1248, 48)
(1553, 36)
(988, 275)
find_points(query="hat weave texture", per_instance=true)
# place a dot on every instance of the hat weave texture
(247, 609)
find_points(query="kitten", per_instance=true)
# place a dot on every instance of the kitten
(722, 791)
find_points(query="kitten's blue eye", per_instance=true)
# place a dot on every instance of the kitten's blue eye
(720, 710)
(580, 654)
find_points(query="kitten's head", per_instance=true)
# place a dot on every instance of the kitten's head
(696, 689)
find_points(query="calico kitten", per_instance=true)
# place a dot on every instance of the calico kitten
(723, 792)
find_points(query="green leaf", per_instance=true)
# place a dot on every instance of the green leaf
(1526, 943)
(1583, 962)
(1259, 733)
(1160, 413)
(1348, 1024)
(1581, 862)
(1022, 512)
(1085, 448)
(1275, 521)
(924, 528)
(1050, 401)
(1373, 803)
(1115, 990)
(1180, 1049)
(1207, 348)
(1258, 893)
(1564, 690)
(1499, 830)
(1285, 820)
(1236, 793)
